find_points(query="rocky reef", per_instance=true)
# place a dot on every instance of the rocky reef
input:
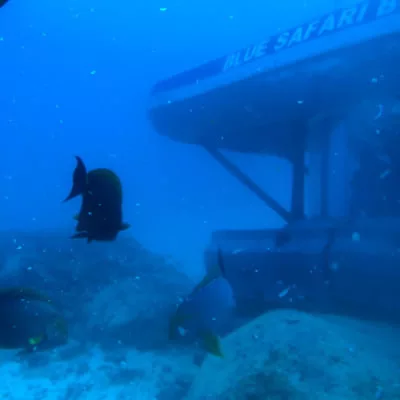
(118, 298)
(289, 355)
(110, 292)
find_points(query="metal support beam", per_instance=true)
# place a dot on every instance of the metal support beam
(249, 183)
(324, 168)
(299, 148)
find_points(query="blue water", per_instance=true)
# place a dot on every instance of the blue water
(75, 79)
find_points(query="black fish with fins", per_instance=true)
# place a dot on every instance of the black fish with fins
(100, 216)
(30, 321)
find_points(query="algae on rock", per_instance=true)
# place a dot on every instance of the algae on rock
(288, 355)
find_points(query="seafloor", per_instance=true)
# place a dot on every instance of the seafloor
(118, 298)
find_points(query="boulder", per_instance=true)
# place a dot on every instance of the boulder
(112, 293)
(288, 355)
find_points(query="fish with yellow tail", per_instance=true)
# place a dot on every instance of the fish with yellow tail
(207, 308)
(30, 321)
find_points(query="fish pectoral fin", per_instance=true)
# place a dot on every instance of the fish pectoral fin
(124, 226)
(176, 321)
(212, 344)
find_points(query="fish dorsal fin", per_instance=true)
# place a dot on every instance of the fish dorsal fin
(19, 293)
(215, 272)
(79, 180)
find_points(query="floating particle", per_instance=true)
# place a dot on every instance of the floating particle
(1, 39)
(237, 251)
(230, 17)
(93, 72)
(92, 10)
(334, 266)
(300, 101)
(380, 112)
(374, 80)
(355, 237)
(284, 292)
(385, 173)
(44, 34)
(182, 331)
(163, 9)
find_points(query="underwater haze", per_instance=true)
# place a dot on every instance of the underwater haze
(173, 280)
(75, 80)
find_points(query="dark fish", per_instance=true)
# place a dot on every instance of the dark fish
(208, 307)
(100, 216)
(3, 2)
(30, 321)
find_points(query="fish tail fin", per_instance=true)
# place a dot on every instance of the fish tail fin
(124, 226)
(212, 344)
(79, 180)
